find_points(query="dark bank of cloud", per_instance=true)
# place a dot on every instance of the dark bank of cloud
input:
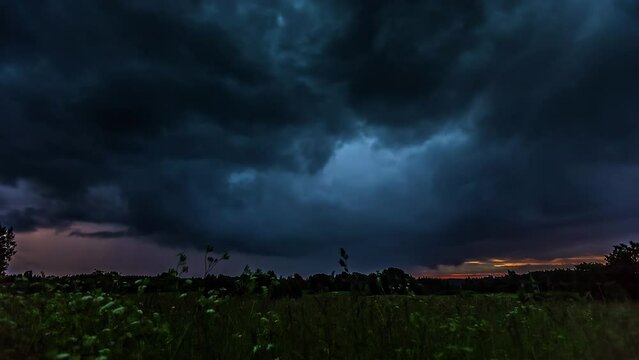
(413, 133)
(105, 234)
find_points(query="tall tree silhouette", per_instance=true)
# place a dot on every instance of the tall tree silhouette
(7, 247)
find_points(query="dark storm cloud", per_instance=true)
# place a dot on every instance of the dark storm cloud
(556, 87)
(100, 234)
(28, 219)
(397, 58)
(410, 132)
(147, 99)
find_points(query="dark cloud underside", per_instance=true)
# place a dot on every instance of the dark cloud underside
(411, 132)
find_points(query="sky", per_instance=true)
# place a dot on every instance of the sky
(441, 137)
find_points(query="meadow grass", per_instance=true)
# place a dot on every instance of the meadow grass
(198, 325)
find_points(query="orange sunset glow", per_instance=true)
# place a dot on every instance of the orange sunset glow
(500, 266)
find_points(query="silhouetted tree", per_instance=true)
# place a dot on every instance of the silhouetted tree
(395, 281)
(624, 256)
(623, 264)
(7, 247)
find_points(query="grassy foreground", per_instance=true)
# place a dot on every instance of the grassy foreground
(331, 326)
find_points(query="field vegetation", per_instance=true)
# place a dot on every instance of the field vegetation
(205, 325)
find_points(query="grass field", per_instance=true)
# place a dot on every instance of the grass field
(198, 325)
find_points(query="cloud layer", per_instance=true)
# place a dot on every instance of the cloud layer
(412, 133)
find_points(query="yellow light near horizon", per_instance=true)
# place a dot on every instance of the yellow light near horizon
(498, 266)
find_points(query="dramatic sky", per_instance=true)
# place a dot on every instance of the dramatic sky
(436, 136)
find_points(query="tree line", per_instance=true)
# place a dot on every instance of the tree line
(616, 278)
